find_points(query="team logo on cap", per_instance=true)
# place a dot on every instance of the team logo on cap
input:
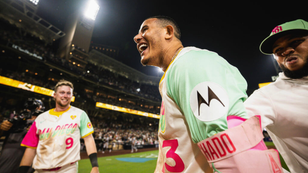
(277, 29)
(89, 125)
(209, 101)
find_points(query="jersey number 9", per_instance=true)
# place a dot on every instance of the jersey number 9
(69, 143)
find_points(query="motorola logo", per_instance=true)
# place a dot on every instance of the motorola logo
(209, 101)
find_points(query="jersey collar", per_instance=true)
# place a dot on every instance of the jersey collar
(53, 112)
(170, 64)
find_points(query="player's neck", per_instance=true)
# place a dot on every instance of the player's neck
(170, 55)
(59, 108)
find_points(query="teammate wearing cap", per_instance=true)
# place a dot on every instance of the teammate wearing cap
(283, 104)
(203, 126)
(53, 141)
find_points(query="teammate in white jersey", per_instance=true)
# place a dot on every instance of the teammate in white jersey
(283, 104)
(53, 141)
(203, 126)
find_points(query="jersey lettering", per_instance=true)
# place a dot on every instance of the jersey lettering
(65, 129)
(179, 164)
(217, 147)
(69, 142)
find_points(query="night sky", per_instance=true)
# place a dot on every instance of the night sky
(234, 30)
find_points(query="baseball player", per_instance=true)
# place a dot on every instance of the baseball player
(106, 143)
(53, 141)
(134, 144)
(283, 103)
(203, 126)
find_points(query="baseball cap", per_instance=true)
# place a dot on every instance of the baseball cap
(299, 25)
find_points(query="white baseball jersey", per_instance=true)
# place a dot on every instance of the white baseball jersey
(284, 112)
(56, 137)
(199, 90)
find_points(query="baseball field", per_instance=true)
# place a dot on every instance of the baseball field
(140, 162)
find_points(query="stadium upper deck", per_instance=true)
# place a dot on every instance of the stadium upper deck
(29, 58)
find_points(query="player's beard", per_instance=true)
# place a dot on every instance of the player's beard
(153, 60)
(145, 61)
(297, 74)
(155, 54)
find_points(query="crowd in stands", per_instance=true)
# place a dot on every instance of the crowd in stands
(11, 35)
(121, 133)
(100, 75)
(79, 93)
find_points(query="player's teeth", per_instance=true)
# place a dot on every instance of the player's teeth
(142, 47)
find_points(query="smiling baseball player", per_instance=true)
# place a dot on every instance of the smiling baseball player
(53, 141)
(203, 126)
(283, 103)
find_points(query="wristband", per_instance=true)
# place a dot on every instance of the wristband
(23, 169)
(93, 159)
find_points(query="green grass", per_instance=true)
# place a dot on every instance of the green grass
(110, 164)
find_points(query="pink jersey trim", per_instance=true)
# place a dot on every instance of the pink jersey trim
(31, 139)
(234, 121)
(277, 153)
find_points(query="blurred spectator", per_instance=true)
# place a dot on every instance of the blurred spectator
(14, 130)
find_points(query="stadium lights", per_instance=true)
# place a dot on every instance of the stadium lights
(91, 9)
(35, 2)
(160, 70)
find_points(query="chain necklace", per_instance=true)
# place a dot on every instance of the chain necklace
(176, 53)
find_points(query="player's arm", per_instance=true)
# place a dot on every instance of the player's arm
(86, 130)
(92, 152)
(27, 160)
(90, 144)
(259, 104)
(30, 141)
(28, 157)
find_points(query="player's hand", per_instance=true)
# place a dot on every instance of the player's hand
(95, 170)
(6, 125)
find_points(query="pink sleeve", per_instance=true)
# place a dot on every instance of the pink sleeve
(31, 139)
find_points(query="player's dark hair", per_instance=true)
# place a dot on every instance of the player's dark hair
(166, 20)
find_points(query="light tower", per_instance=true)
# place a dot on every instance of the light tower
(79, 28)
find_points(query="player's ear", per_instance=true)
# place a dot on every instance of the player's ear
(54, 95)
(169, 32)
